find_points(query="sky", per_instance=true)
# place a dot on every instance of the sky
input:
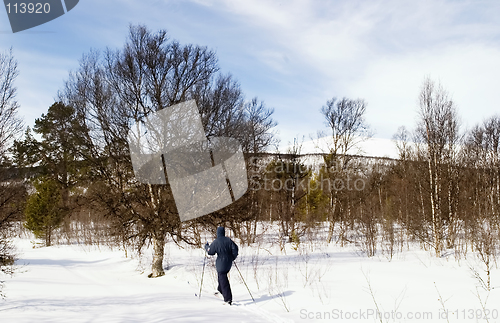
(294, 55)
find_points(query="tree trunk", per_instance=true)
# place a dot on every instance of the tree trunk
(158, 250)
(48, 241)
(434, 204)
(332, 219)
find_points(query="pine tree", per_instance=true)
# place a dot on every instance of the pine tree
(44, 211)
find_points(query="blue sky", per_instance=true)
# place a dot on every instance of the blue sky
(294, 55)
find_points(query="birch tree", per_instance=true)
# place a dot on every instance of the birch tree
(345, 118)
(12, 192)
(11, 124)
(438, 130)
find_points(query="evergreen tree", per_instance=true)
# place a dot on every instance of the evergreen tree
(61, 147)
(58, 155)
(44, 211)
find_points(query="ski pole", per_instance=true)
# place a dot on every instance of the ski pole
(244, 281)
(203, 272)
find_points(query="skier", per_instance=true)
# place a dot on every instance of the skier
(226, 251)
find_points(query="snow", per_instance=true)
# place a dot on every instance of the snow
(318, 282)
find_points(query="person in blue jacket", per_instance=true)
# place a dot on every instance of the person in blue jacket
(226, 251)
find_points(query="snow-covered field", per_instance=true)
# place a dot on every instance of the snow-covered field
(316, 282)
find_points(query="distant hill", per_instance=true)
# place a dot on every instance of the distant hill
(373, 147)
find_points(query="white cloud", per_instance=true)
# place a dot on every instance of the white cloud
(381, 51)
(468, 73)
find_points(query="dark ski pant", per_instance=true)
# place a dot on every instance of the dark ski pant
(224, 288)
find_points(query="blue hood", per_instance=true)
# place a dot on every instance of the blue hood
(221, 232)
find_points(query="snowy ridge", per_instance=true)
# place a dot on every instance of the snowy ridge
(372, 147)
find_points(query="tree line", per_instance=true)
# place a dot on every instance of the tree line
(71, 177)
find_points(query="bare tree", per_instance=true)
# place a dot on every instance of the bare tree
(438, 129)
(12, 190)
(402, 141)
(10, 123)
(289, 178)
(490, 145)
(258, 124)
(482, 158)
(348, 128)
(346, 120)
(121, 87)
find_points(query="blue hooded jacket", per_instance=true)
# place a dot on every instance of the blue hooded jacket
(226, 251)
